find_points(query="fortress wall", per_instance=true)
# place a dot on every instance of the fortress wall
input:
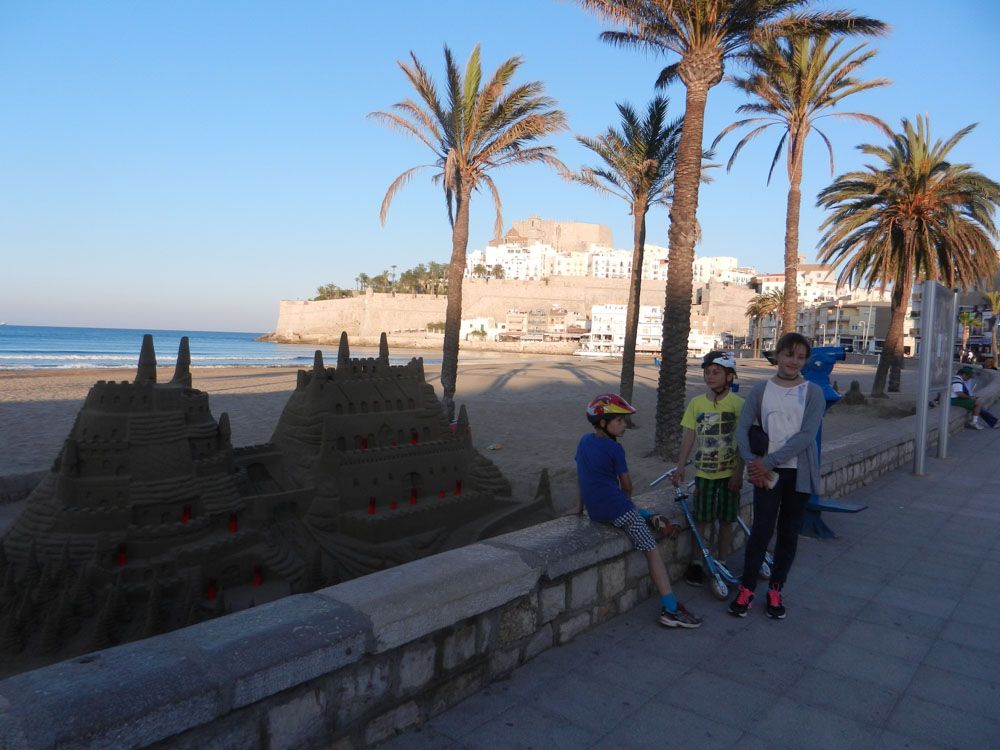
(370, 314)
(354, 664)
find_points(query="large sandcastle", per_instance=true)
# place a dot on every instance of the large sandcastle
(151, 520)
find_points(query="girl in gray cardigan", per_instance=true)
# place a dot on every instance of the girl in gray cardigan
(789, 409)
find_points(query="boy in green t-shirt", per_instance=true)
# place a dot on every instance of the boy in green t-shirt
(709, 424)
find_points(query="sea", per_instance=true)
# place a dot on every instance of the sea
(60, 348)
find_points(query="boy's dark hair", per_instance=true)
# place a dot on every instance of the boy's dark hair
(790, 341)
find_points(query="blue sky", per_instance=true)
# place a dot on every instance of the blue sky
(187, 164)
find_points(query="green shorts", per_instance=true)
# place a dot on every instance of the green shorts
(964, 401)
(714, 500)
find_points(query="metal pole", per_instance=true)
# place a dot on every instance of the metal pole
(924, 381)
(949, 347)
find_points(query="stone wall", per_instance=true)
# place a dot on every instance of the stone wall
(346, 666)
(370, 314)
(351, 665)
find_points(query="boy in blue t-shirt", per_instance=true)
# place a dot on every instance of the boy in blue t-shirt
(606, 489)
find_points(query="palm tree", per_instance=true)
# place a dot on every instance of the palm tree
(761, 306)
(638, 167)
(478, 128)
(793, 82)
(966, 319)
(993, 300)
(703, 34)
(914, 215)
(755, 311)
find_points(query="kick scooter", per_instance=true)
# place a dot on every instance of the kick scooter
(719, 576)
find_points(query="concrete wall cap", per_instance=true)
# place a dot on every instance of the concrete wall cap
(410, 601)
(136, 694)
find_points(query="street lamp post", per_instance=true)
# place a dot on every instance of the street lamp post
(836, 326)
(822, 333)
(864, 335)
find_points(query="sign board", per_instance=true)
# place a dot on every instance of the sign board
(937, 343)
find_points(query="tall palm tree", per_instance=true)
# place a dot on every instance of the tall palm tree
(703, 34)
(793, 82)
(638, 168)
(914, 215)
(479, 127)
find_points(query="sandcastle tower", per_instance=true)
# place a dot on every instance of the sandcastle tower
(393, 479)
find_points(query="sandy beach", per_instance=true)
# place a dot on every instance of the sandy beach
(525, 410)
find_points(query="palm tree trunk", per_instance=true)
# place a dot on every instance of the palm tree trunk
(453, 311)
(634, 289)
(892, 350)
(677, 304)
(790, 313)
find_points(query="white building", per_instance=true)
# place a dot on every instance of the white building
(607, 329)
(608, 263)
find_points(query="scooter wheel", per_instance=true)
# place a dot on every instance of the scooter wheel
(719, 588)
(765, 571)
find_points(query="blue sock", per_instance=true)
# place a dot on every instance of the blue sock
(669, 602)
(646, 514)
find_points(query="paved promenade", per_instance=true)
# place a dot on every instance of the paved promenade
(892, 640)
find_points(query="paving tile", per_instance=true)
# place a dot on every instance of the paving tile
(987, 639)
(885, 640)
(907, 620)
(717, 698)
(891, 740)
(839, 583)
(880, 669)
(423, 738)
(753, 669)
(856, 699)
(958, 691)
(943, 725)
(917, 600)
(964, 660)
(474, 711)
(675, 728)
(524, 727)
(985, 613)
(587, 705)
(804, 726)
(640, 667)
(954, 570)
(820, 600)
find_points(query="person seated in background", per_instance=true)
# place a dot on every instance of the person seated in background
(961, 395)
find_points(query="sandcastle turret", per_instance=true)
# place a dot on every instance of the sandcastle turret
(146, 372)
(462, 426)
(383, 347)
(318, 367)
(343, 352)
(182, 371)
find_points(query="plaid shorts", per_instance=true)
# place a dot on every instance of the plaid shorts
(637, 529)
(714, 500)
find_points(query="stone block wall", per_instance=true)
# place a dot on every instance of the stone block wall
(347, 666)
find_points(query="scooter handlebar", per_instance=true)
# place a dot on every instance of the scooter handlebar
(666, 475)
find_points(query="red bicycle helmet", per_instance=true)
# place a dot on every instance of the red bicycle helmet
(607, 405)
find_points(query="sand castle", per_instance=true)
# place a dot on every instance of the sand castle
(151, 520)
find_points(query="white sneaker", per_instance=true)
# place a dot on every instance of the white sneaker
(976, 425)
